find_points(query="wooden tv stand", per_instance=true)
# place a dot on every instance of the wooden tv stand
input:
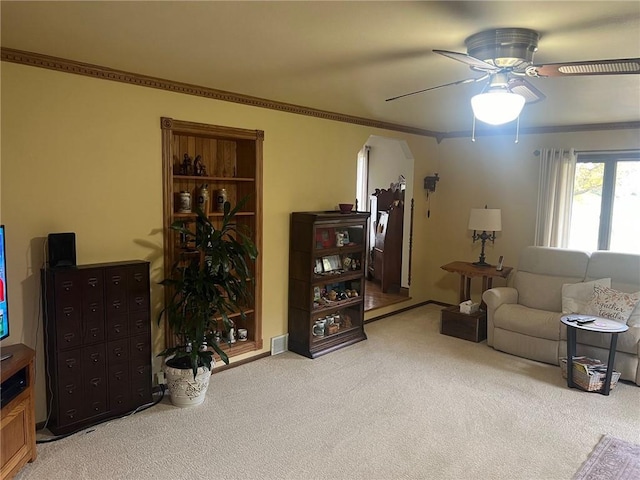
(18, 420)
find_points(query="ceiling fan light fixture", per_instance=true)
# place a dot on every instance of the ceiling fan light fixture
(496, 107)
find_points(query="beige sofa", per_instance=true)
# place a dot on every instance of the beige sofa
(523, 318)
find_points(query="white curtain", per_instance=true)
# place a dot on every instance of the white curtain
(555, 195)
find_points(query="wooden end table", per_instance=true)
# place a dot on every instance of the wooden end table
(600, 325)
(468, 270)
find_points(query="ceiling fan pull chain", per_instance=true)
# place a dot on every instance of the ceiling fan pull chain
(517, 130)
(473, 130)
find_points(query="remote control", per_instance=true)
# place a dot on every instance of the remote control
(582, 321)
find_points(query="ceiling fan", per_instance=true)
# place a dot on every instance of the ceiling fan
(504, 57)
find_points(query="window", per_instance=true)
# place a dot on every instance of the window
(606, 202)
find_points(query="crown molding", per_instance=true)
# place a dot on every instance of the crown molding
(105, 73)
(511, 130)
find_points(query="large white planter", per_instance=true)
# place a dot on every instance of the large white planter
(184, 389)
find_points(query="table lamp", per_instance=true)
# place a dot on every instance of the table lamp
(484, 220)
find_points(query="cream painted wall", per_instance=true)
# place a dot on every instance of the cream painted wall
(84, 155)
(501, 174)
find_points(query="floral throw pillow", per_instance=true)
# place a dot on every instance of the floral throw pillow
(610, 303)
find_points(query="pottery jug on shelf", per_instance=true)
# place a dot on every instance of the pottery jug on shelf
(221, 198)
(203, 198)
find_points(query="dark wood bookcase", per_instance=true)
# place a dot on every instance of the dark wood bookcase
(326, 280)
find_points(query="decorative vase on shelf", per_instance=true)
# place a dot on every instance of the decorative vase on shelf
(203, 198)
(221, 198)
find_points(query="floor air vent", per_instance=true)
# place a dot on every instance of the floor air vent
(279, 344)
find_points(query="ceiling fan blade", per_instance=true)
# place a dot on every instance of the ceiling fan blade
(469, 60)
(522, 87)
(459, 82)
(619, 66)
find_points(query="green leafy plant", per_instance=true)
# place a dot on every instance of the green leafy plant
(211, 280)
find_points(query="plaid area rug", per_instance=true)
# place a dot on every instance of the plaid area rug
(612, 459)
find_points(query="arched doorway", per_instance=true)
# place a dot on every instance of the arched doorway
(386, 164)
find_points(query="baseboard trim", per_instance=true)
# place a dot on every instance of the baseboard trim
(442, 304)
(241, 362)
(421, 304)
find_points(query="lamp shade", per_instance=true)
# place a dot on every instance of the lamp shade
(497, 106)
(485, 219)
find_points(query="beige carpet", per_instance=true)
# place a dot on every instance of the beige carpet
(611, 459)
(408, 403)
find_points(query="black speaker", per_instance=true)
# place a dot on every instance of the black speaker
(62, 249)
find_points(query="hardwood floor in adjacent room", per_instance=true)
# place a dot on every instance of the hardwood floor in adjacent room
(374, 298)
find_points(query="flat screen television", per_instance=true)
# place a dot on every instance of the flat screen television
(4, 300)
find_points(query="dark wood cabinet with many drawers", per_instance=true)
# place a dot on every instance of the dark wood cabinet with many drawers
(98, 342)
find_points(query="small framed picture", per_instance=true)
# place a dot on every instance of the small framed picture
(325, 238)
(331, 263)
(326, 264)
(334, 261)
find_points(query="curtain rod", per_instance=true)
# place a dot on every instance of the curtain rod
(537, 152)
(601, 152)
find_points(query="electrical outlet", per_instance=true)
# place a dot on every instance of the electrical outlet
(160, 378)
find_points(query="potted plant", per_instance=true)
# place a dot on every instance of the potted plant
(211, 280)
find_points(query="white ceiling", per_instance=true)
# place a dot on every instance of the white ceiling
(344, 57)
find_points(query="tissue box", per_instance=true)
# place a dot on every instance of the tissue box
(469, 307)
